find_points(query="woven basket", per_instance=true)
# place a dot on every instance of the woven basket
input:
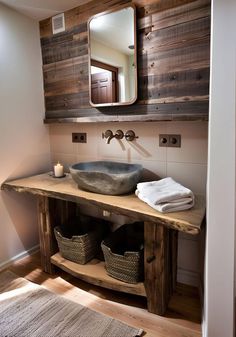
(127, 267)
(79, 248)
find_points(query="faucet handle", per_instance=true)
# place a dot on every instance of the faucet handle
(119, 134)
(107, 134)
(130, 135)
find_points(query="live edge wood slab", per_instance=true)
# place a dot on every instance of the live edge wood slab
(57, 198)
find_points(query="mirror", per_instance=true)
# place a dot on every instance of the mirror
(112, 57)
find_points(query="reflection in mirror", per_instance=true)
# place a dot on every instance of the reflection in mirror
(112, 52)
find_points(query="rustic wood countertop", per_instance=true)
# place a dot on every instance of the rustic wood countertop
(66, 189)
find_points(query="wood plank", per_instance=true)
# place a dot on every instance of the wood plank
(157, 273)
(66, 189)
(126, 118)
(168, 85)
(45, 234)
(174, 256)
(66, 72)
(73, 96)
(102, 118)
(66, 76)
(173, 99)
(65, 63)
(179, 85)
(187, 56)
(94, 272)
(67, 101)
(63, 51)
(171, 78)
(68, 87)
(152, 6)
(194, 110)
(51, 213)
(176, 36)
(184, 12)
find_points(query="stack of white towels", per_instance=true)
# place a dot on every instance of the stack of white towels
(165, 195)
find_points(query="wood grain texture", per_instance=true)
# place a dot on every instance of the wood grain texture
(174, 257)
(94, 272)
(174, 13)
(140, 112)
(66, 189)
(160, 241)
(173, 63)
(160, 258)
(47, 247)
(157, 267)
(183, 317)
(51, 213)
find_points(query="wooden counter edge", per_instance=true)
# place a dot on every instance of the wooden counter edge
(176, 224)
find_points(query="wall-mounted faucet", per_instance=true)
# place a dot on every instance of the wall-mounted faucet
(109, 135)
(130, 135)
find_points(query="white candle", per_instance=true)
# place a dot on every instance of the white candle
(58, 170)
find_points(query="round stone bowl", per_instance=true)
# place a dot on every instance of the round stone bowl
(106, 177)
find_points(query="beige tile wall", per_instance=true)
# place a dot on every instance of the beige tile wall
(187, 165)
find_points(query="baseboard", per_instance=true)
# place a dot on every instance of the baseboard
(23, 254)
(188, 277)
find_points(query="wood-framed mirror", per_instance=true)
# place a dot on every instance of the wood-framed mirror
(113, 57)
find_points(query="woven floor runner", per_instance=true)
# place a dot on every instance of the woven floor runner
(29, 310)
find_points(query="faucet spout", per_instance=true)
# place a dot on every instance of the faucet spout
(108, 135)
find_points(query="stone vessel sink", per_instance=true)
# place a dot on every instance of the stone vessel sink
(106, 177)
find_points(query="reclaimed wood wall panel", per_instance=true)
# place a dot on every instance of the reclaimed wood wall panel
(67, 76)
(173, 40)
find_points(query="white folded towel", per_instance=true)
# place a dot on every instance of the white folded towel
(165, 195)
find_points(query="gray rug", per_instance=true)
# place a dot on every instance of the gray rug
(29, 310)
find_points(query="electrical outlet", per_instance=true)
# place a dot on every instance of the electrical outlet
(166, 140)
(174, 141)
(79, 137)
(163, 140)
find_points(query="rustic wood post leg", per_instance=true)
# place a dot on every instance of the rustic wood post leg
(174, 256)
(45, 234)
(157, 267)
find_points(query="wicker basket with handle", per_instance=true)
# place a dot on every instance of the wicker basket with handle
(123, 253)
(78, 248)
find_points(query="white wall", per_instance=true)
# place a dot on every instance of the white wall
(220, 244)
(187, 164)
(24, 142)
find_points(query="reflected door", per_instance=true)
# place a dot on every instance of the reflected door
(104, 86)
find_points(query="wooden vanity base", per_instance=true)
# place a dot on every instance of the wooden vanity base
(158, 257)
(57, 200)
